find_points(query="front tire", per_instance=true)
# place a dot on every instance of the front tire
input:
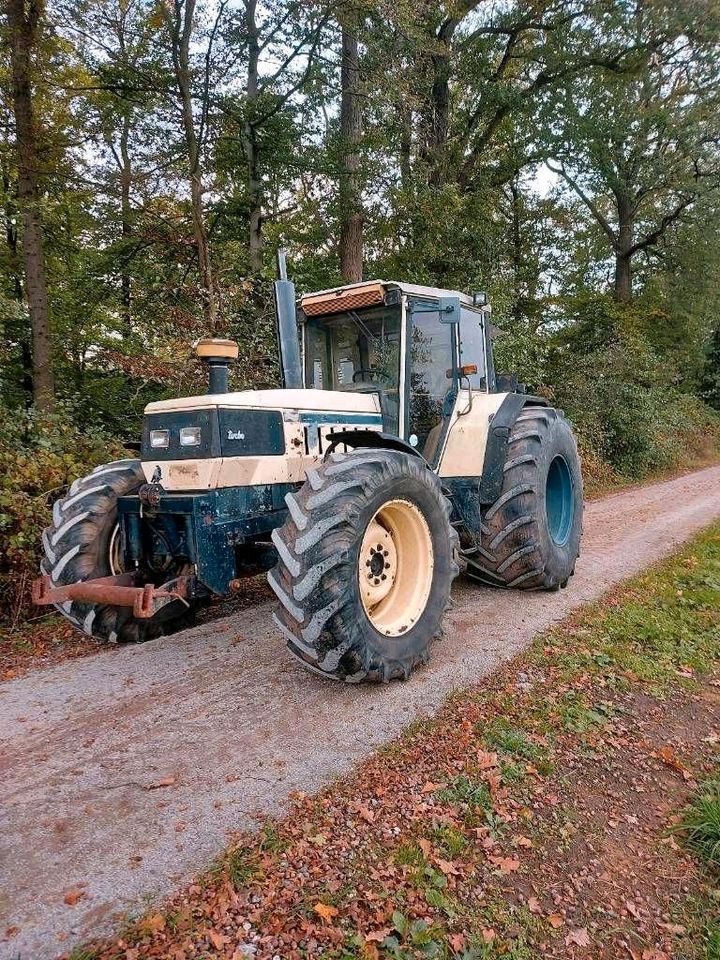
(530, 536)
(366, 562)
(82, 543)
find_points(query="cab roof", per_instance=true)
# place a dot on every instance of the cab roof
(368, 293)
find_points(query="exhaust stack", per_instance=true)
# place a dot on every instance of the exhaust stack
(217, 355)
(288, 339)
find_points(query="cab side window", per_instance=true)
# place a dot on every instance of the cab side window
(431, 393)
(472, 346)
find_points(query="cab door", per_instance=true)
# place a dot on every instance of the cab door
(430, 377)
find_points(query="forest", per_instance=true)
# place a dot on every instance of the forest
(562, 155)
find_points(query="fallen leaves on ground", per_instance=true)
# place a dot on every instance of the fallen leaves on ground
(73, 896)
(43, 643)
(578, 938)
(326, 911)
(159, 784)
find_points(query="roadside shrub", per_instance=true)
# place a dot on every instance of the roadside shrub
(40, 455)
(628, 400)
(632, 419)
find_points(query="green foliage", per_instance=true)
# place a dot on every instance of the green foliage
(700, 824)
(451, 841)
(462, 790)
(240, 866)
(416, 938)
(501, 735)
(40, 455)
(623, 396)
(710, 387)
(671, 623)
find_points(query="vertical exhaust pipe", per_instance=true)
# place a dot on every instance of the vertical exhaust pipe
(288, 339)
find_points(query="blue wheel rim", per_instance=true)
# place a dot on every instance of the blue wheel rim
(559, 501)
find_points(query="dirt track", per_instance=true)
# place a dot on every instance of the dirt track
(231, 725)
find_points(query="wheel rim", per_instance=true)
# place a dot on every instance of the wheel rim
(559, 501)
(395, 567)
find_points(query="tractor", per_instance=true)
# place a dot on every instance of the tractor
(392, 459)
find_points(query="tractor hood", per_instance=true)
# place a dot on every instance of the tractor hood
(247, 438)
(289, 400)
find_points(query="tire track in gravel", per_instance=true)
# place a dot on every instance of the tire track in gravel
(236, 725)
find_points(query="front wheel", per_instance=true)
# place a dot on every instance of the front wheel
(83, 543)
(366, 561)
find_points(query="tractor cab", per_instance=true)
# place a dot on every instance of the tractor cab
(415, 347)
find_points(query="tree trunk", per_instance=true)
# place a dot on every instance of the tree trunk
(180, 30)
(437, 108)
(623, 257)
(352, 216)
(518, 264)
(405, 151)
(126, 219)
(11, 236)
(23, 19)
(250, 148)
(623, 279)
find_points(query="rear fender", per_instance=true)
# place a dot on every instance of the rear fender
(496, 449)
(476, 444)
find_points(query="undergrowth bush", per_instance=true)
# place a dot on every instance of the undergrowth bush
(40, 455)
(632, 408)
(636, 423)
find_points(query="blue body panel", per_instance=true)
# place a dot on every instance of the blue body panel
(205, 527)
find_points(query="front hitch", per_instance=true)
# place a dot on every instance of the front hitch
(118, 591)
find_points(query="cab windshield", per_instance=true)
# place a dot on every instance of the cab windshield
(358, 350)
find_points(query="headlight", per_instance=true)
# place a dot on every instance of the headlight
(159, 438)
(190, 437)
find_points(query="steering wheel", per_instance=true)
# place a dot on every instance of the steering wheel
(371, 371)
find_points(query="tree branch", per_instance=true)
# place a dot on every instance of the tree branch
(571, 182)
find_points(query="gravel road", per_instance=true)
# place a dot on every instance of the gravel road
(123, 774)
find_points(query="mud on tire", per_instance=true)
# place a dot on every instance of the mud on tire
(78, 545)
(321, 611)
(530, 536)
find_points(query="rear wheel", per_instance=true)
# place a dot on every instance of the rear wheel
(366, 562)
(530, 536)
(83, 543)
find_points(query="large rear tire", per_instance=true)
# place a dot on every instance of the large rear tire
(83, 543)
(366, 562)
(530, 536)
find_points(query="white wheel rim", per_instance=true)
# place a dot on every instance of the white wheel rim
(395, 567)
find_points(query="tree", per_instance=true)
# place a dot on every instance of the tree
(24, 22)
(263, 119)
(179, 19)
(351, 209)
(638, 146)
(710, 386)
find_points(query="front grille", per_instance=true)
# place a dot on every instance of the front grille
(224, 432)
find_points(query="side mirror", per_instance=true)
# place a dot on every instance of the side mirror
(449, 309)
